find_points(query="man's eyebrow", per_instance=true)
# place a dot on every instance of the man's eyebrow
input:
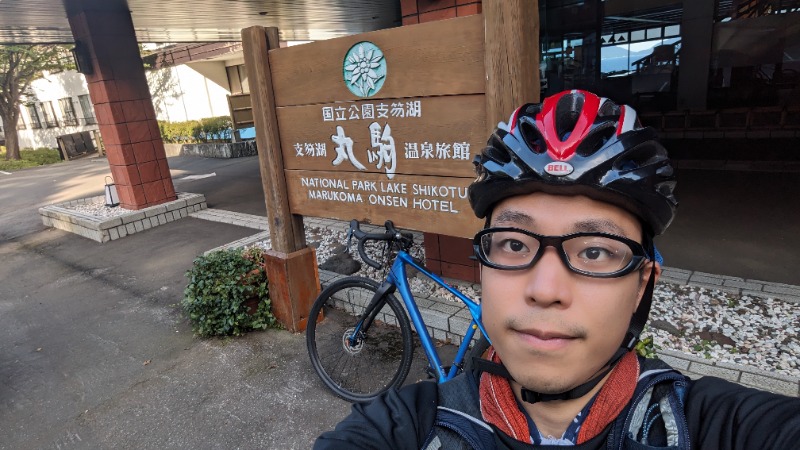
(514, 217)
(599, 226)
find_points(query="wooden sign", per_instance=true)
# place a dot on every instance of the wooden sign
(429, 203)
(437, 58)
(384, 125)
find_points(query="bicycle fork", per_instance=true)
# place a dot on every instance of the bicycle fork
(370, 312)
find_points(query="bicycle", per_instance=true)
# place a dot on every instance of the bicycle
(358, 335)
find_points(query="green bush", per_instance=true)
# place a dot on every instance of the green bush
(214, 129)
(192, 131)
(177, 132)
(221, 284)
(30, 158)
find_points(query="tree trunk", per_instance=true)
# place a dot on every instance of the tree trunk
(12, 139)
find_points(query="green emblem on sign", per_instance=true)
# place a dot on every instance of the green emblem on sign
(364, 69)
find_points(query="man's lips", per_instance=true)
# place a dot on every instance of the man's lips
(545, 339)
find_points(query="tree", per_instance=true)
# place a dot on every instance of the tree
(19, 66)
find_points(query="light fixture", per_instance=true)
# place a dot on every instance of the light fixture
(112, 199)
(82, 59)
(612, 40)
(621, 39)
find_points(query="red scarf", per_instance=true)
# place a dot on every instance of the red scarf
(499, 405)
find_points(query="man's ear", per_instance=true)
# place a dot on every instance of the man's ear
(647, 269)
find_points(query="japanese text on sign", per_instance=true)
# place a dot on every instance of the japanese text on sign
(371, 111)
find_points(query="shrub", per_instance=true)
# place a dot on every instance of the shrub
(221, 286)
(193, 131)
(214, 129)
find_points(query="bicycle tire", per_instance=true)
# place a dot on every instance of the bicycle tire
(383, 356)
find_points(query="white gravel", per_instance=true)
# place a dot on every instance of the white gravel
(716, 325)
(96, 207)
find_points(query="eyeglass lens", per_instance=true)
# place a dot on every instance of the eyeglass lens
(593, 254)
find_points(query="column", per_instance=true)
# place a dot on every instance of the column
(122, 102)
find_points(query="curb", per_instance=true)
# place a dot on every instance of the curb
(734, 285)
(104, 229)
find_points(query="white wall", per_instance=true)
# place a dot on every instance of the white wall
(52, 87)
(179, 93)
(182, 93)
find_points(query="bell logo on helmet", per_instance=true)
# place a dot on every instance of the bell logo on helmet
(559, 169)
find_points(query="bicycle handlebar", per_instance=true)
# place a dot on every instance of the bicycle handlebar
(391, 235)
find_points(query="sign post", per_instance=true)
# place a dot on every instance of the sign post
(291, 266)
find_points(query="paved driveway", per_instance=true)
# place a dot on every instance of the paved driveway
(95, 352)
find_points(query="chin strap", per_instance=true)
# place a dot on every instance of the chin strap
(484, 365)
(628, 343)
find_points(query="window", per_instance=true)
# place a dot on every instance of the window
(33, 112)
(653, 33)
(69, 111)
(672, 30)
(49, 115)
(86, 108)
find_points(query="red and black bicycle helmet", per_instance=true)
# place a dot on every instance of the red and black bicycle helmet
(578, 143)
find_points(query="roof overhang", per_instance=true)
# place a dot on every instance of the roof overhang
(45, 21)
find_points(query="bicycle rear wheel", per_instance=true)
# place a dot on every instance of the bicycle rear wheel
(381, 356)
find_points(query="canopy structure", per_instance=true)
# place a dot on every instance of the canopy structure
(45, 21)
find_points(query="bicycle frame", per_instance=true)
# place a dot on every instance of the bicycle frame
(398, 280)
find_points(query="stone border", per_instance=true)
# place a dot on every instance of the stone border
(104, 229)
(734, 285)
(213, 149)
(233, 218)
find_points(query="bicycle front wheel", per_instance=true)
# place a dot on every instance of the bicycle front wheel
(358, 366)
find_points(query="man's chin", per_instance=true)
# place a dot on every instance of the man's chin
(545, 383)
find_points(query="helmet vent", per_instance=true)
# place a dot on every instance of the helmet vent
(568, 110)
(532, 137)
(497, 154)
(641, 155)
(596, 139)
(608, 111)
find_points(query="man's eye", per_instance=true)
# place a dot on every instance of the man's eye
(596, 254)
(513, 245)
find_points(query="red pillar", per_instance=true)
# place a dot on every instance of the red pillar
(123, 106)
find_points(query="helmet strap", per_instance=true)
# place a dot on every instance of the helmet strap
(530, 396)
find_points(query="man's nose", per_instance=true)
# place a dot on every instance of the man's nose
(549, 280)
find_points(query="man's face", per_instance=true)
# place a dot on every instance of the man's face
(554, 329)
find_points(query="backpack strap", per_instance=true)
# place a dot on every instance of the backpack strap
(458, 421)
(655, 416)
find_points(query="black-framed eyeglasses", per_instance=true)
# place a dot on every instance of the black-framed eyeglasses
(599, 255)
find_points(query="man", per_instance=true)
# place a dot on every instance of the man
(573, 191)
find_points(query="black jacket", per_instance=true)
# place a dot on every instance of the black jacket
(719, 414)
